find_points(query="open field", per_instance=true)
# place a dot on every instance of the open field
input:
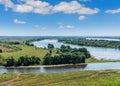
(82, 78)
(26, 50)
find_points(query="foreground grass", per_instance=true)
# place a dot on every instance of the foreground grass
(7, 77)
(83, 78)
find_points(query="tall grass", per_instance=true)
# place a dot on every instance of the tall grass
(83, 78)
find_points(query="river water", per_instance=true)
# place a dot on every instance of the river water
(105, 53)
(91, 66)
(97, 52)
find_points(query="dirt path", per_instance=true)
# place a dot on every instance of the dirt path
(10, 82)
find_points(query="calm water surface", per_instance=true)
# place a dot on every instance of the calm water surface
(92, 66)
(99, 53)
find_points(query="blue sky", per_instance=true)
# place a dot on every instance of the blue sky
(59, 17)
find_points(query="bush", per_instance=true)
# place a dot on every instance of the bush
(0, 50)
(23, 61)
(10, 61)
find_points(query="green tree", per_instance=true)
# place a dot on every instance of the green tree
(35, 60)
(23, 61)
(10, 61)
(48, 59)
(50, 46)
(0, 50)
(64, 48)
(1, 61)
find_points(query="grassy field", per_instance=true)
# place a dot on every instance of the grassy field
(25, 50)
(83, 78)
(7, 77)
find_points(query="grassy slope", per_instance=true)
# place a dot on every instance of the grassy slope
(26, 50)
(83, 78)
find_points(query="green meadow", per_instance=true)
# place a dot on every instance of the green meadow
(26, 50)
(23, 49)
(81, 78)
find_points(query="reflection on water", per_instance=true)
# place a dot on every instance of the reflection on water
(99, 53)
(91, 66)
(68, 68)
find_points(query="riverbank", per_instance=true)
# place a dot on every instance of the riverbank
(45, 66)
(95, 60)
(61, 68)
(91, 60)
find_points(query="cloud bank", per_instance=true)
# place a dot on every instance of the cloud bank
(43, 7)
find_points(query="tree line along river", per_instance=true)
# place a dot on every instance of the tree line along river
(105, 53)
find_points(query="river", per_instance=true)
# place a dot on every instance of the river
(105, 53)
(97, 52)
(90, 66)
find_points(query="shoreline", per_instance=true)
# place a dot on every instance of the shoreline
(51, 66)
(45, 66)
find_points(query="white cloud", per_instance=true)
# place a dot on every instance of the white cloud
(43, 7)
(7, 4)
(74, 7)
(23, 8)
(34, 7)
(16, 21)
(82, 17)
(69, 26)
(67, 7)
(113, 11)
(62, 26)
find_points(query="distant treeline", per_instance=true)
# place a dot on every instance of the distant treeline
(96, 43)
(10, 43)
